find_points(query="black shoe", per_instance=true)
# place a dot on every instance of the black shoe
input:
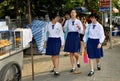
(99, 67)
(52, 70)
(56, 73)
(72, 70)
(78, 65)
(91, 73)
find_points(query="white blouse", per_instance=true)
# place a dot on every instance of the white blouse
(54, 31)
(73, 27)
(95, 33)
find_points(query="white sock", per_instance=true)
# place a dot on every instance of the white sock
(98, 63)
(92, 70)
(73, 68)
(78, 62)
(57, 72)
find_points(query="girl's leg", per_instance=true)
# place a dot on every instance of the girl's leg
(72, 61)
(91, 67)
(91, 64)
(56, 64)
(55, 60)
(77, 59)
(82, 47)
(97, 61)
(98, 64)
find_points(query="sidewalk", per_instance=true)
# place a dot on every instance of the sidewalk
(110, 67)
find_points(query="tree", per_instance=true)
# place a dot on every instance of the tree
(39, 8)
(12, 8)
(116, 4)
(93, 5)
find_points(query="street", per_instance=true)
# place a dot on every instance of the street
(110, 69)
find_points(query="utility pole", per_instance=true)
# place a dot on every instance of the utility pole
(31, 45)
(110, 23)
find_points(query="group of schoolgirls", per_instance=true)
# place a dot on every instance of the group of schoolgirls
(93, 39)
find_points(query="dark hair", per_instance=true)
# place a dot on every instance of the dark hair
(67, 13)
(53, 15)
(74, 10)
(94, 15)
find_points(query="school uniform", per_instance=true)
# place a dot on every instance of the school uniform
(55, 38)
(95, 36)
(72, 43)
(66, 29)
(82, 33)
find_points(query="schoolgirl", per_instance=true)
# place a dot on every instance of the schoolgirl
(93, 38)
(72, 44)
(55, 40)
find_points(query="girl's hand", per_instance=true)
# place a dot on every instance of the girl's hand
(45, 44)
(77, 26)
(99, 45)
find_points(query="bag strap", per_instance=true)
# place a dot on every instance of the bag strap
(66, 28)
(68, 22)
(89, 28)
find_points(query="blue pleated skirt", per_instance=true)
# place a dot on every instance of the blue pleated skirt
(72, 43)
(53, 46)
(92, 50)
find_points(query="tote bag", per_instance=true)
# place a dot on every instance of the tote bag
(85, 57)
